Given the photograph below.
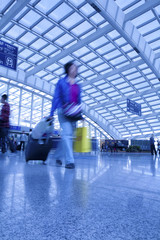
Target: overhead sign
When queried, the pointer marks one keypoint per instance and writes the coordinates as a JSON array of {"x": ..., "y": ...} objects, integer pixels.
[
  {"x": 15, "y": 128},
  {"x": 133, "y": 107},
  {"x": 8, "y": 55}
]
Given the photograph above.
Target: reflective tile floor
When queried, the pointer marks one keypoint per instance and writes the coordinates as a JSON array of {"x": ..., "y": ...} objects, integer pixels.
[{"x": 107, "y": 196}]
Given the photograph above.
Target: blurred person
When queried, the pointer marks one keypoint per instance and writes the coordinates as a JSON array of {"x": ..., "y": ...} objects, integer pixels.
[
  {"x": 23, "y": 139},
  {"x": 4, "y": 121},
  {"x": 152, "y": 145},
  {"x": 66, "y": 91}
]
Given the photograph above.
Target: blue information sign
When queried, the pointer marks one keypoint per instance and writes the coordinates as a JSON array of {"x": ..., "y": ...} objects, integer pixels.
[
  {"x": 8, "y": 55},
  {"x": 15, "y": 128},
  {"x": 133, "y": 107}
]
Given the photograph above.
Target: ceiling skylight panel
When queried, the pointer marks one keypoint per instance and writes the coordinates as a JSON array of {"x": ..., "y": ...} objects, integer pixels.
[
  {"x": 30, "y": 18},
  {"x": 96, "y": 94},
  {"x": 152, "y": 36},
  {"x": 89, "y": 57},
  {"x": 39, "y": 44},
  {"x": 82, "y": 28},
  {"x": 35, "y": 58},
  {"x": 133, "y": 76},
  {"x": 141, "y": 85},
  {"x": 126, "y": 48},
  {"x": 86, "y": 74},
  {"x": 77, "y": 3},
  {"x": 64, "y": 40},
  {"x": 81, "y": 51},
  {"x": 109, "y": 90},
  {"x": 3, "y": 5},
  {"x": 100, "y": 98},
  {"x": 149, "y": 27},
  {"x": 95, "y": 62},
  {"x": 143, "y": 18},
  {"x": 138, "y": 80},
  {"x": 118, "y": 60},
  {"x": 27, "y": 38},
  {"x": 91, "y": 90},
  {"x": 104, "y": 86},
  {"x": 102, "y": 50},
  {"x": 54, "y": 33},
  {"x": 48, "y": 50},
  {"x": 41, "y": 74},
  {"x": 155, "y": 44},
  {"x": 156, "y": 102},
  {"x": 48, "y": 77},
  {"x": 125, "y": 90},
  {"x": 24, "y": 65},
  {"x": 42, "y": 26},
  {"x": 72, "y": 20},
  {"x": 101, "y": 67},
  {"x": 15, "y": 32},
  {"x": 44, "y": 6},
  {"x": 60, "y": 12},
  {"x": 117, "y": 81},
  {"x": 87, "y": 10},
  {"x": 132, "y": 54},
  {"x": 25, "y": 53},
  {"x": 113, "y": 34},
  {"x": 97, "y": 19},
  {"x": 59, "y": 71},
  {"x": 113, "y": 94},
  {"x": 120, "y": 41},
  {"x": 134, "y": 6},
  {"x": 113, "y": 54},
  {"x": 99, "y": 42},
  {"x": 89, "y": 101},
  {"x": 122, "y": 85},
  {"x": 66, "y": 59}
]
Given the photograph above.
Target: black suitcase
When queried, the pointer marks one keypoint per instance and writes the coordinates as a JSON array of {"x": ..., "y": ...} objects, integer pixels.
[
  {"x": 36, "y": 151},
  {"x": 12, "y": 146},
  {"x": 19, "y": 147}
]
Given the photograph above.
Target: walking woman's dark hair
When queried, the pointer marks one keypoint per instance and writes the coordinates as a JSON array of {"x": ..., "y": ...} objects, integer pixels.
[
  {"x": 67, "y": 66},
  {"x": 5, "y": 97}
]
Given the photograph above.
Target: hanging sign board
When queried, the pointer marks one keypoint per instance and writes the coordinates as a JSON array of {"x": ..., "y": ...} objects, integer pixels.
[
  {"x": 8, "y": 55},
  {"x": 133, "y": 107}
]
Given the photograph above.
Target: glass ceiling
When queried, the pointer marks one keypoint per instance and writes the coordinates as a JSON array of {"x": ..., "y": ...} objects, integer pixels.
[{"x": 110, "y": 67}]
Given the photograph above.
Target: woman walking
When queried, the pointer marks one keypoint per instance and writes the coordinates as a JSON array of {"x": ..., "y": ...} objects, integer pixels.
[{"x": 67, "y": 94}]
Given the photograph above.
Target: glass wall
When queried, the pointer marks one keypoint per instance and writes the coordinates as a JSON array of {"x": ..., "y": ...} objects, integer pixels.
[
  {"x": 25, "y": 109},
  {"x": 28, "y": 107},
  {"x": 14, "y": 101}
]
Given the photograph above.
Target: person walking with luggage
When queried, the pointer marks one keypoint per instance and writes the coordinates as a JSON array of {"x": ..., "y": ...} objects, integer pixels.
[
  {"x": 4, "y": 121},
  {"x": 67, "y": 91},
  {"x": 152, "y": 145}
]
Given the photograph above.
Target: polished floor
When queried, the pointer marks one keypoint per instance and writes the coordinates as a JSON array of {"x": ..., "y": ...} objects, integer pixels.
[{"x": 106, "y": 197}]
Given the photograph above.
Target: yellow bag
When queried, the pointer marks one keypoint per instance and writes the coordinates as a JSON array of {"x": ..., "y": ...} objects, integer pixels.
[{"x": 82, "y": 142}]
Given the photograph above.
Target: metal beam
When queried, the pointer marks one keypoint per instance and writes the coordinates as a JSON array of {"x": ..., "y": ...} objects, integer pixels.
[
  {"x": 114, "y": 72},
  {"x": 17, "y": 7},
  {"x": 116, "y": 17},
  {"x": 81, "y": 43},
  {"x": 137, "y": 118},
  {"x": 140, "y": 10},
  {"x": 107, "y": 103},
  {"x": 108, "y": 128},
  {"x": 100, "y": 32}
]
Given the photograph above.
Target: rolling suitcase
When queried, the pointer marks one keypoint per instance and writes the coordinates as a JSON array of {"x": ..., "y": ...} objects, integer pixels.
[
  {"x": 38, "y": 150},
  {"x": 40, "y": 143}
]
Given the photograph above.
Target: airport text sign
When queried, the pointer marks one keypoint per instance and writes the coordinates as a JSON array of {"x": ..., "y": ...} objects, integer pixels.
[
  {"x": 8, "y": 55},
  {"x": 133, "y": 107}
]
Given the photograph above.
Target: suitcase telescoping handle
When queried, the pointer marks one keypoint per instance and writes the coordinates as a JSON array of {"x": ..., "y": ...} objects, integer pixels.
[{"x": 49, "y": 120}]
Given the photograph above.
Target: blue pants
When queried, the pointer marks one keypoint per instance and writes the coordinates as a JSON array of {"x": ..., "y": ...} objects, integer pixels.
[{"x": 65, "y": 146}]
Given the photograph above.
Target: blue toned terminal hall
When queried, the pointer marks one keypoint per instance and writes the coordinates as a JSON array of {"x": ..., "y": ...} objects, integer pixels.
[{"x": 79, "y": 120}]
